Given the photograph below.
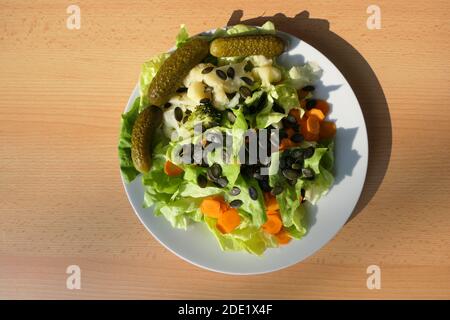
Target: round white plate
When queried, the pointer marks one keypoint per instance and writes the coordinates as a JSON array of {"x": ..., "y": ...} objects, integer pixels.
[{"x": 199, "y": 247}]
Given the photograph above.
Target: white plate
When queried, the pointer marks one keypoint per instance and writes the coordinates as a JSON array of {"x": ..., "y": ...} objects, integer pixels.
[{"x": 199, "y": 247}]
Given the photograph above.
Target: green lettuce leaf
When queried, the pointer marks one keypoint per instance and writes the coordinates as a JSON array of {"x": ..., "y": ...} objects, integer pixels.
[
  {"x": 238, "y": 130},
  {"x": 182, "y": 36},
  {"x": 159, "y": 187},
  {"x": 286, "y": 96},
  {"x": 314, "y": 161},
  {"x": 127, "y": 169},
  {"x": 192, "y": 189},
  {"x": 328, "y": 158},
  {"x": 292, "y": 211},
  {"x": 241, "y": 29},
  {"x": 318, "y": 187},
  {"x": 267, "y": 116},
  {"x": 181, "y": 212}
]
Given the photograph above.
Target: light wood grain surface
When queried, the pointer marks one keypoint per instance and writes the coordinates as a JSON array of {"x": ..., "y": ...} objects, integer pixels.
[{"x": 61, "y": 199}]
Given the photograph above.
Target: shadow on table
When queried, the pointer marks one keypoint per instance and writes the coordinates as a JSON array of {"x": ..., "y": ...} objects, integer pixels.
[{"x": 361, "y": 78}]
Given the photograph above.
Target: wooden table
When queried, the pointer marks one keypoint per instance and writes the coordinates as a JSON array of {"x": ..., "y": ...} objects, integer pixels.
[{"x": 61, "y": 198}]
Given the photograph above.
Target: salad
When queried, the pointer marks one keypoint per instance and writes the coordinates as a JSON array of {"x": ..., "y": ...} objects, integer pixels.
[{"x": 225, "y": 136}]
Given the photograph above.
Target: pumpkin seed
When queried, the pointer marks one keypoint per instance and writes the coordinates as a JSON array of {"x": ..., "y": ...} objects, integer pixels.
[
  {"x": 207, "y": 70},
  {"x": 297, "y": 154},
  {"x": 291, "y": 119},
  {"x": 248, "y": 66},
  {"x": 222, "y": 75},
  {"x": 202, "y": 181},
  {"x": 310, "y": 103},
  {"x": 222, "y": 182},
  {"x": 178, "y": 114},
  {"x": 216, "y": 170},
  {"x": 308, "y": 152},
  {"x": 276, "y": 190},
  {"x": 297, "y": 138},
  {"x": 236, "y": 203},
  {"x": 245, "y": 92},
  {"x": 290, "y": 174},
  {"x": 205, "y": 101},
  {"x": 247, "y": 80},
  {"x": 235, "y": 191},
  {"x": 253, "y": 193},
  {"x": 308, "y": 173},
  {"x": 230, "y": 72},
  {"x": 296, "y": 166}
]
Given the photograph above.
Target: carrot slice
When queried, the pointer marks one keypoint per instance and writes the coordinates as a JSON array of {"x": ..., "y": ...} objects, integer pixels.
[
  {"x": 267, "y": 196},
  {"x": 273, "y": 224},
  {"x": 316, "y": 113},
  {"x": 228, "y": 221},
  {"x": 271, "y": 203},
  {"x": 290, "y": 132},
  {"x": 283, "y": 237},
  {"x": 211, "y": 207},
  {"x": 313, "y": 125},
  {"x": 172, "y": 169},
  {"x": 311, "y": 136},
  {"x": 323, "y": 106},
  {"x": 224, "y": 206},
  {"x": 285, "y": 144},
  {"x": 327, "y": 130}
]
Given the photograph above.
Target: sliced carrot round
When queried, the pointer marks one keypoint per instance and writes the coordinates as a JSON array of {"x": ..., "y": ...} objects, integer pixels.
[
  {"x": 317, "y": 113},
  {"x": 271, "y": 203},
  {"x": 273, "y": 224},
  {"x": 285, "y": 144},
  {"x": 283, "y": 237},
  {"x": 313, "y": 125},
  {"x": 327, "y": 130},
  {"x": 228, "y": 221},
  {"x": 323, "y": 106},
  {"x": 211, "y": 207},
  {"x": 224, "y": 206},
  {"x": 311, "y": 136},
  {"x": 172, "y": 169}
]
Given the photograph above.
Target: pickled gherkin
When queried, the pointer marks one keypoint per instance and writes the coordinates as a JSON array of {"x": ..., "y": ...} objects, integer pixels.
[
  {"x": 142, "y": 135},
  {"x": 266, "y": 45},
  {"x": 171, "y": 74}
]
